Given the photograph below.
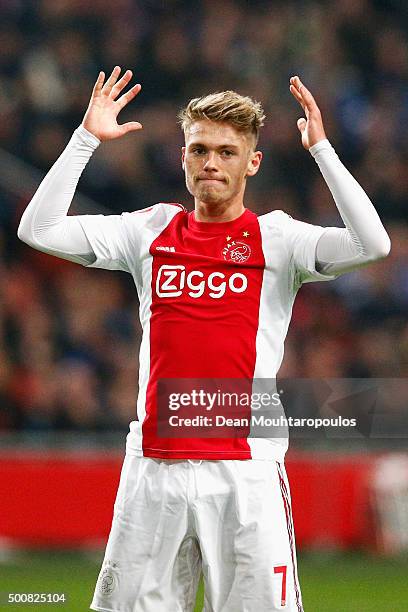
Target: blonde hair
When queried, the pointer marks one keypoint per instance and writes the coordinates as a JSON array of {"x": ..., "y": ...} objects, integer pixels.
[{"x": 242, "y": 112}]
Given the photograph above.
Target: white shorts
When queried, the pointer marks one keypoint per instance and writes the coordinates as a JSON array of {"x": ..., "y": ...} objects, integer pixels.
[{"x": 230, "y": 520}]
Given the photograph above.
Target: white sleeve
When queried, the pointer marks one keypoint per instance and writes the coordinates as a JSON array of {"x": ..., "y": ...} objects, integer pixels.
[
  {"x": 364, "y": 238},
  {"x": 45, "y": 225},
  {"x": 302, "y": 239},
  {"x": 113, "y": 239}
]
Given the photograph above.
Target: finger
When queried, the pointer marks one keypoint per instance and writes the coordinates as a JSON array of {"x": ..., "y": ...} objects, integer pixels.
[
  {"x": 128, "y": 96},
  {"x": 98, "y": 84},
  {"x": 295, "y": 82},
  {"x": 306, "y": 95},
  {"x": 130, "y": 126},
  {"x": 111, "y": 81},
  {"x": 116, "y": 89},
  {"x": 297, "y": 95}
]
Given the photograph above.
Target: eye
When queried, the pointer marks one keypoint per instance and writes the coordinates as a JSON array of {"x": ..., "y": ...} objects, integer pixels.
[
  {"x": 198, "y": 150},
  {"x": 227, "y": 153}
]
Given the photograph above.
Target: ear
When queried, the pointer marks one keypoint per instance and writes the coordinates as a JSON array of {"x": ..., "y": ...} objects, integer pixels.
[
  {"x": 183, "y": 156},
  {"x": 254, "y": 163}
]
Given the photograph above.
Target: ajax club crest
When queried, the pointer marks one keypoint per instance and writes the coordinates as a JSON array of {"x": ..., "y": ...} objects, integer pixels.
[
  {"x": 107, "y": 581},
  {"x": 236, "y": 251}
]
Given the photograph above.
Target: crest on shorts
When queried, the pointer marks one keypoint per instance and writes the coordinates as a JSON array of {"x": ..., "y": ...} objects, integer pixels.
[
  {"x": 236, "y": 251},
  {"x": 107, "y": 581}
]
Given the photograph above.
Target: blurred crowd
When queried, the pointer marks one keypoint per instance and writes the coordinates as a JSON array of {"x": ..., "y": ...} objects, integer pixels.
[{"x": 69, "y": 336}]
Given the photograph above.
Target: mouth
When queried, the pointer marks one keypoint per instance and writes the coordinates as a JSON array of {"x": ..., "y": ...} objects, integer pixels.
[{"x": 211, "y": 180}]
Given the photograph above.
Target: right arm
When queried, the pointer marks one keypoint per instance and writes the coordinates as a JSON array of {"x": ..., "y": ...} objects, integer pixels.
[{"x": 45, "y": 225}]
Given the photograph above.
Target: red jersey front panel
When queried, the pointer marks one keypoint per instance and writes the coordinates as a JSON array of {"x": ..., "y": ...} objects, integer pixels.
[{"x": 206, "y": 285}]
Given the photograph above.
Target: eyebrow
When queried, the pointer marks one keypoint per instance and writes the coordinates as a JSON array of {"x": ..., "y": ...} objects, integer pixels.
[{"x": 223, "y": 146}]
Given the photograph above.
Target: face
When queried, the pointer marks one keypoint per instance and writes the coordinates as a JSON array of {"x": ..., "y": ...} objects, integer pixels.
[{"x": 216, "y": 160}]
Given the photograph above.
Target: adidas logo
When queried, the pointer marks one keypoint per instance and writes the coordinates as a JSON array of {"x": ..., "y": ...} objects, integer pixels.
[{"x": 166, "y": 248}]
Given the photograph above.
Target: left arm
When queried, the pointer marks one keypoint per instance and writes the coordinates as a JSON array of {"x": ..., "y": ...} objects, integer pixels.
[{"x": 364, "y": 238}]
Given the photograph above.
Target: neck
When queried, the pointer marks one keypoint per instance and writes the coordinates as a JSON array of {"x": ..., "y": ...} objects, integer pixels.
[{"x": 218, "y": 212}]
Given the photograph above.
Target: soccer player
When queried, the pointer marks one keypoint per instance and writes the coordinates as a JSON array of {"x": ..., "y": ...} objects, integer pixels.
[{"x": 216, "y": 287}]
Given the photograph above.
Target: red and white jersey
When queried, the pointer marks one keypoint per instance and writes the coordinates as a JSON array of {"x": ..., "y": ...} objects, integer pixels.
[{"x": 215, "y": 302}]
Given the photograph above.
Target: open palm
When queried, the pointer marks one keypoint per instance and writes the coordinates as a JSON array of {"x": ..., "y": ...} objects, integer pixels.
[
  {"x": 311, "y": 127},
  {"x": 104, "y": 106}
]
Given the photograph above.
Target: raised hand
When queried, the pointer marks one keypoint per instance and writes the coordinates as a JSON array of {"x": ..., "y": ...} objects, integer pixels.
[
  {"x": 104, "y": 106},
  {"x": 311, "y": 128}
]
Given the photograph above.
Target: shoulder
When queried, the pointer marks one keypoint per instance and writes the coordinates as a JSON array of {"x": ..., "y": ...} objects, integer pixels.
[
  {"x": 291, "y": 230},
  {"x": 159, "y": 213},
  {"x": 160, "y": 208},
  {"x": 281, "y": 219},
  {"x": 277, "y": 219}
]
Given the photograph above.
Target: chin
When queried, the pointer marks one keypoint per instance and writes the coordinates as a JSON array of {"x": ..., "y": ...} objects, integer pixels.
[{"x": 211, "y": 196}]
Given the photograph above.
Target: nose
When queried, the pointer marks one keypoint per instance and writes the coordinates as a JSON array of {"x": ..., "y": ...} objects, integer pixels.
[{"x": 210, "y": 162}]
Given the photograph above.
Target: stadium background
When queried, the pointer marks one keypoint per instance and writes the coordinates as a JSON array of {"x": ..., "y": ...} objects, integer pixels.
[{"x": 69, "y": 336}]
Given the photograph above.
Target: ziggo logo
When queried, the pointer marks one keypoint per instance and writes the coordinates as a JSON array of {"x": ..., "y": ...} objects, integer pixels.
[{"x": 173, "y": 281}]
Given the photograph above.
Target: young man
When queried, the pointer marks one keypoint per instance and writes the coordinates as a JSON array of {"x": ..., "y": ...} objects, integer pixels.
[{"x": 216, "y": 289}]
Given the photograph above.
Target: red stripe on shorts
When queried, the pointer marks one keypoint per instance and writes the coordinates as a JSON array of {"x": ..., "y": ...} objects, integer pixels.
[{"x": 289, "y": 525}]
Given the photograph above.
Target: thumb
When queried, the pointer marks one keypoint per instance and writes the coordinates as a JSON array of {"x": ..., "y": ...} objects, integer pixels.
[
  {"x": 130, "y": 126},
  {"x": 301, "y": 123}
]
